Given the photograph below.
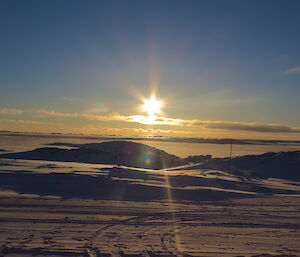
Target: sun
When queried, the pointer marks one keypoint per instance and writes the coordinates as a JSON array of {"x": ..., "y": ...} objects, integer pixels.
[{"x": 152, "y": 106}]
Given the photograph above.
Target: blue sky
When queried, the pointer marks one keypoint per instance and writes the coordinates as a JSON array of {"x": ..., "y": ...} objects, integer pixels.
[{"x": 229, "y": 61}]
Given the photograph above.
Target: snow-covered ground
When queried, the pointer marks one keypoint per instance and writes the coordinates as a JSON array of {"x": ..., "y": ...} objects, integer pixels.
[{"x": 56, "y": 208}]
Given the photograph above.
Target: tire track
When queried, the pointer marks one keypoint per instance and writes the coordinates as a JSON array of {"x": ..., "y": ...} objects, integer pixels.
[
  {"x": 170, "y": 241},
  {"x": 113, "y": 238}
]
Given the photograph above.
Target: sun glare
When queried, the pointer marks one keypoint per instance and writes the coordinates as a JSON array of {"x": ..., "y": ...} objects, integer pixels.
[{"x": 152, "y": 106}]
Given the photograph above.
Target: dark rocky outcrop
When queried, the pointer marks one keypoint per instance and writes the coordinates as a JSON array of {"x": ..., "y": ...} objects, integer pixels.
[
  {"x": 277, "y": 165},
  {"x": 114, "y": 152},
  {"x": 197, "y": 158}
]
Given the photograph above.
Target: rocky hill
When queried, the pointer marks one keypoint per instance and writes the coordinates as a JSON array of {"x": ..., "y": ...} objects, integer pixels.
[
  {"x": 114, "y": 152},
  {"x": 276, "y": 165}
]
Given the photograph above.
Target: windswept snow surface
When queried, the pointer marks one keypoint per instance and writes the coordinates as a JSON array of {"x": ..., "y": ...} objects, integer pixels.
[{"x": 59, "y": 208}]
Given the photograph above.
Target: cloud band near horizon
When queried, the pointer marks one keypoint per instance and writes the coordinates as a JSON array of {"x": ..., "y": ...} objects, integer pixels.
[{"x": 155, "y": 120}]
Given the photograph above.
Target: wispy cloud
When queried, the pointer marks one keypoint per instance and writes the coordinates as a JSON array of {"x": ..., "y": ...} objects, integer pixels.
[
  {"x": 165, "y": 121},
  {"x": 221, "y": 125},
  {"x": 46, "y": 113},
  {"x": 89, "y": 116},
  {"x": 11, "y": 111},
  {"x": 247, "y": 126},
  {"x": 31, "y": 122},
  {"x": 294, "y": 70},
  {"x": 154, "y": 120},
  {"x": 112, "y": 117}
]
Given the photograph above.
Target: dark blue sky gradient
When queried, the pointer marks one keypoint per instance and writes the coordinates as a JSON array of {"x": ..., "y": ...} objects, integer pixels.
[{"x": 215, "y": 60}]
